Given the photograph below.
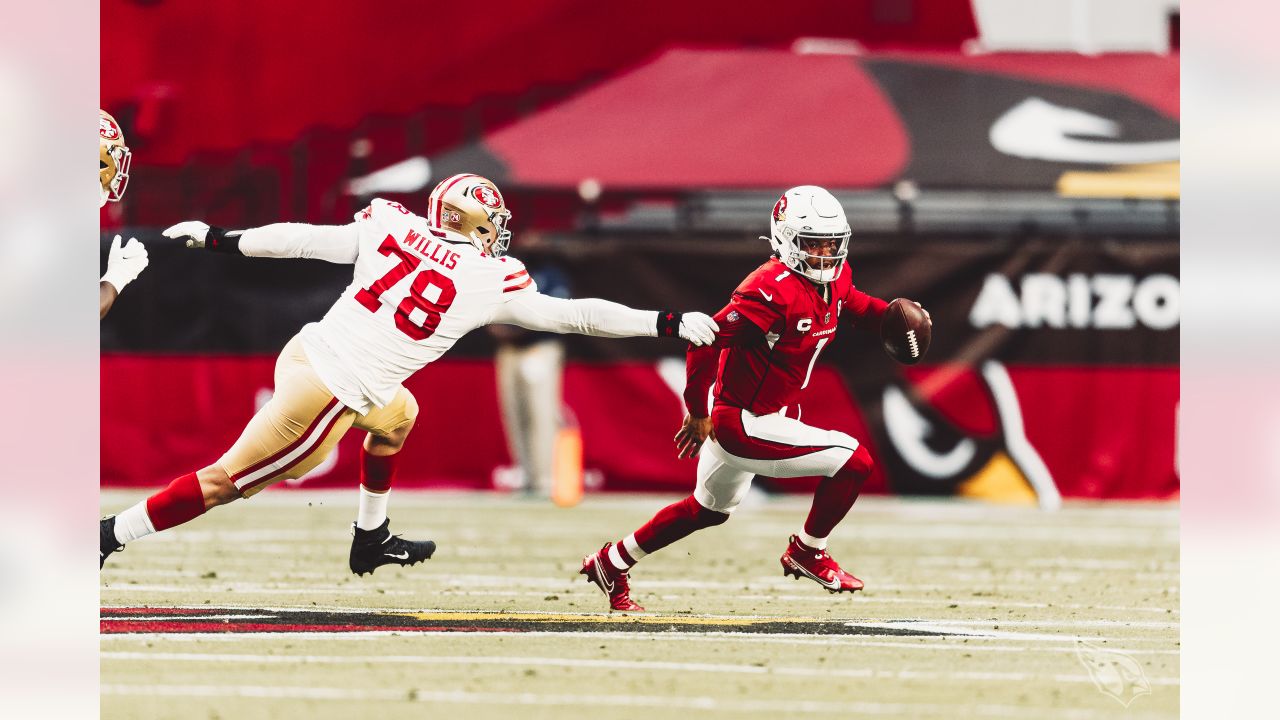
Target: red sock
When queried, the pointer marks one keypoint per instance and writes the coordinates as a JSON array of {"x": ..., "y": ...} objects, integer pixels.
[
  {"x": 377, "y": 471},
  {"x": 677, "y": 520},
  {"x": 181, "y": 501},
  {"x": 836, "y": 494}
]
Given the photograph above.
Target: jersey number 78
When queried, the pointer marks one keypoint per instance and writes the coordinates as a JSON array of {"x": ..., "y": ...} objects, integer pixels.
[{"x": 432, "y": 292}]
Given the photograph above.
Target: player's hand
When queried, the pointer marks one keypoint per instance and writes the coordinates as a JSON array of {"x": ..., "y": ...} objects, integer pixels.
[
  {"x": 698, "y": 328},
  {"x": 125, "y": 263},
  {"x": 195, "y": 232},
  {"x": 927, "y": 316},
  {"x": 692, "y": 434}
]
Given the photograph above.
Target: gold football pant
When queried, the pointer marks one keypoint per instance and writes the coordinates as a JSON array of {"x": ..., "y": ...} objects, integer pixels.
[{"x": 301, "y": 424}]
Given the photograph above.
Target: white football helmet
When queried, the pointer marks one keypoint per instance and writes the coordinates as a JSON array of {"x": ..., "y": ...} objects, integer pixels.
[
  {"x": 114, "y": 159},
  {"x": 809, "y": 232},
  {"x": 469, "y": 208}
]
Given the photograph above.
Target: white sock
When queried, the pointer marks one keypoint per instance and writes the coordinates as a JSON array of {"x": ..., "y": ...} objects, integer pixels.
[
  {"x": 133, "y": 523},
  {"x": 816, "y": 543},
  {"x": 616, "y": 560},
  {"x": 632, "y": 549},
  {"x": 373, "y": 509}
]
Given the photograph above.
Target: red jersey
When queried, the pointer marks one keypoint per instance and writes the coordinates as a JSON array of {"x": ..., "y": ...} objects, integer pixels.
[{"x": 771, "y": 334}]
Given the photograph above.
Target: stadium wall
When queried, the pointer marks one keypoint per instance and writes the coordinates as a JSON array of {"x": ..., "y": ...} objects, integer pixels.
[{"x": 1054, "y": 366}]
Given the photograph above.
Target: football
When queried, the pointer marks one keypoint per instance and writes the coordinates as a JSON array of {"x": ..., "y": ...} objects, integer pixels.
[{"x": 906, "y": 331}]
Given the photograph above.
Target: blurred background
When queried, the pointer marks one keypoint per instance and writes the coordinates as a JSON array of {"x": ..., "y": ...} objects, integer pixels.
[{"x": 1013, "y": 166}]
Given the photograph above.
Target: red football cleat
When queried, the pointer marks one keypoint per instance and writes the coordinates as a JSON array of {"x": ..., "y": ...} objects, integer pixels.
[
  {"x": 611, "y": 580},
  {"x": 819, "y": 566}
]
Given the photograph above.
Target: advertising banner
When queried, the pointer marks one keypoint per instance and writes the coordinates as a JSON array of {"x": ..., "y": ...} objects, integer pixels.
[{"x": 1053, "y": 370}]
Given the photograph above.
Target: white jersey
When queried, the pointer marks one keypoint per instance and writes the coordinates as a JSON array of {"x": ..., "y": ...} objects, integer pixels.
[
  {"x": 416, "y": 291},
  {"x": 414, "y": 295}
]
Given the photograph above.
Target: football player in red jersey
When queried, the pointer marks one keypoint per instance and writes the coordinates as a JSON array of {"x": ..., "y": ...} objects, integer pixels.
[{"x": 771, "y": 333}]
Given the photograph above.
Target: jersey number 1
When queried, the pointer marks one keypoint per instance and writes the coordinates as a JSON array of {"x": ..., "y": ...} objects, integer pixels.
[
  {"x": 431, "y": 292},
  {"x": 814, "y": 360}
]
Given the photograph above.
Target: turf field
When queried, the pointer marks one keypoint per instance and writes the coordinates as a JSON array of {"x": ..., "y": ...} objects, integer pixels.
[{"x": 970, "y": 611}]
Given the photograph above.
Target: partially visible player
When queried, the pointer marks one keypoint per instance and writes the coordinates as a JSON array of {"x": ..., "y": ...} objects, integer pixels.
[
  {"x": 124, "y": 262},
  {"x": 419, "y": 285},
  {"x": 773, "y": 329}
]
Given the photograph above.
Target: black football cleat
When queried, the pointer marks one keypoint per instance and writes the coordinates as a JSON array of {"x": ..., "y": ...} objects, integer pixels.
[
  {"x": 107, "y": 542},
  {"x": 371, "y": 549}
]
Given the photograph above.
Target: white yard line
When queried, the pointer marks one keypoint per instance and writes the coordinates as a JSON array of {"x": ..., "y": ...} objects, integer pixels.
[
  {"x": 645, "y": 665},
  {"x": 775, "y": 708},
  {"x": 215, "y": 589},
  {"x": 854, "y": 533},
  {"x": 544, "y": 582},
  {"x": 823, "y": 600},
  {"x": 907, "y": 643}
]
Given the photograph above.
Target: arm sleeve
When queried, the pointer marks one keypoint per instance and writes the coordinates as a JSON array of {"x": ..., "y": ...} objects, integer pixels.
[
  {"x": 867, "y": 307},
  {"x": 589, "y": 316},
  {"x": 751, "y": 304},
  {"x": 332, "y": 243},
  {"x": 701, "y": 363}
]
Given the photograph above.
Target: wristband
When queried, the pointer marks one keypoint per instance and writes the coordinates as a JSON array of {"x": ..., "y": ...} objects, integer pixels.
[
  {"x": 669, "y": 323},
  {"x": 224, "y": 241}
]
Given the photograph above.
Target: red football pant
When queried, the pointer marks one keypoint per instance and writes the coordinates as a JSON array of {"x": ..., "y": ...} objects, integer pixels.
[
  {"x": 836, "y": 494},
  {"x": 678, "y": 520}
]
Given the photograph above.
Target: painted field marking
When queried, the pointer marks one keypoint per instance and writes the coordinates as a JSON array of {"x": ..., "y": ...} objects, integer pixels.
[
  {"x": 1061, "y": 535},
  {"x": 432, "y": 583},
  {"x": 818, "y": 598},
  {"x": 776, "y": 708},
  {"x": 777, "y": 638},
  {"x": 959, "y": 625},
  {"x": 649, "y": 665}
]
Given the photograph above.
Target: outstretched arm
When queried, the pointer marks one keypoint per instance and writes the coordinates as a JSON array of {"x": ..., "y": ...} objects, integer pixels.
[
  {"x": 602, "y": 318},
  {"x": 332, "y": 243}
]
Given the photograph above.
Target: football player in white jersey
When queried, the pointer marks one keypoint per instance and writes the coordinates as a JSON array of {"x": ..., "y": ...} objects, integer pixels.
[
  {"x": 124, "y": 262},
  {"x": 420, "y": 284}
]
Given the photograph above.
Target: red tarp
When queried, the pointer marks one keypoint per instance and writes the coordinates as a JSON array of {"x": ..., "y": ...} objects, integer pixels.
[{"x": 770, "y": 119}]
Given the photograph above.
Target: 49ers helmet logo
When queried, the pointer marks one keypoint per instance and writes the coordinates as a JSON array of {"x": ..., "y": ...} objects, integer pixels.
[
  {"x": 108, "y": 129},
  {"x": 780, "y": 209},
  {"x": 487, "y": 196}
]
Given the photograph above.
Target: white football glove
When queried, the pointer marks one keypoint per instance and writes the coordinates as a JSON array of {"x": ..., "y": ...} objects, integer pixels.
[
  {"x": 698, "y": 328},
  {"x": 194, "y": 231},
  {"x": 125, "y": 263}
]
